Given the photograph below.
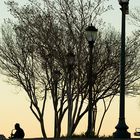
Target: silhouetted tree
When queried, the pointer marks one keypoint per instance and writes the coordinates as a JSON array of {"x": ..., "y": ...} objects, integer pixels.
[
  {"x": 134, "y": 17},
  {"x": 20, "y": 62}
]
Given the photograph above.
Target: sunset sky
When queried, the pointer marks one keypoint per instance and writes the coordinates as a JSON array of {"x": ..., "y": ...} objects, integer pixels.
[{"x": 14, "y": 104}]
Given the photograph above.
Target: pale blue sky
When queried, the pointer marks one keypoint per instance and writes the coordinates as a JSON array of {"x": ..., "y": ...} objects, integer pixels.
[
  {"x": 113, "y": 17},
  {"x": 15, "y": 107}
]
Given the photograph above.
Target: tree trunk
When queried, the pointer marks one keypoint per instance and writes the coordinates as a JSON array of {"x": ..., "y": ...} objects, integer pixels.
[
  {"x": 56, "y": 126},
  {"x": 43, "y": 128}
]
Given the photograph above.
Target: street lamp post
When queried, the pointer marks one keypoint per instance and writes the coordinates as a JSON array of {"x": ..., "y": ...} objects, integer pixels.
[
  {"x": 121, "y": 128},
  {"x": 70, "y": 66},
  {"x": 91, "y": 34},
  {"x": 56, "y": 78}
]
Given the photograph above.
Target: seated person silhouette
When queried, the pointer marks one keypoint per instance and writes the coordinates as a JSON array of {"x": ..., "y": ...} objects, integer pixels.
[{"x": 19, "y": 134}]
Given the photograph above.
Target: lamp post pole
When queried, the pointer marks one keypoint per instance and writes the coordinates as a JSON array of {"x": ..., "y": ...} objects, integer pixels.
[
  {"x": 121, "y": 127},
  {"x": 91, "y": 33},
  {"x": 56, "y": 78},
  {"x": 70, "y": 67},
  {"x": 89, "y": 131}
]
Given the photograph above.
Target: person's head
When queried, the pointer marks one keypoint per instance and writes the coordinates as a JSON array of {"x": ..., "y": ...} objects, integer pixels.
[{"x": 17, "y": 126}]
